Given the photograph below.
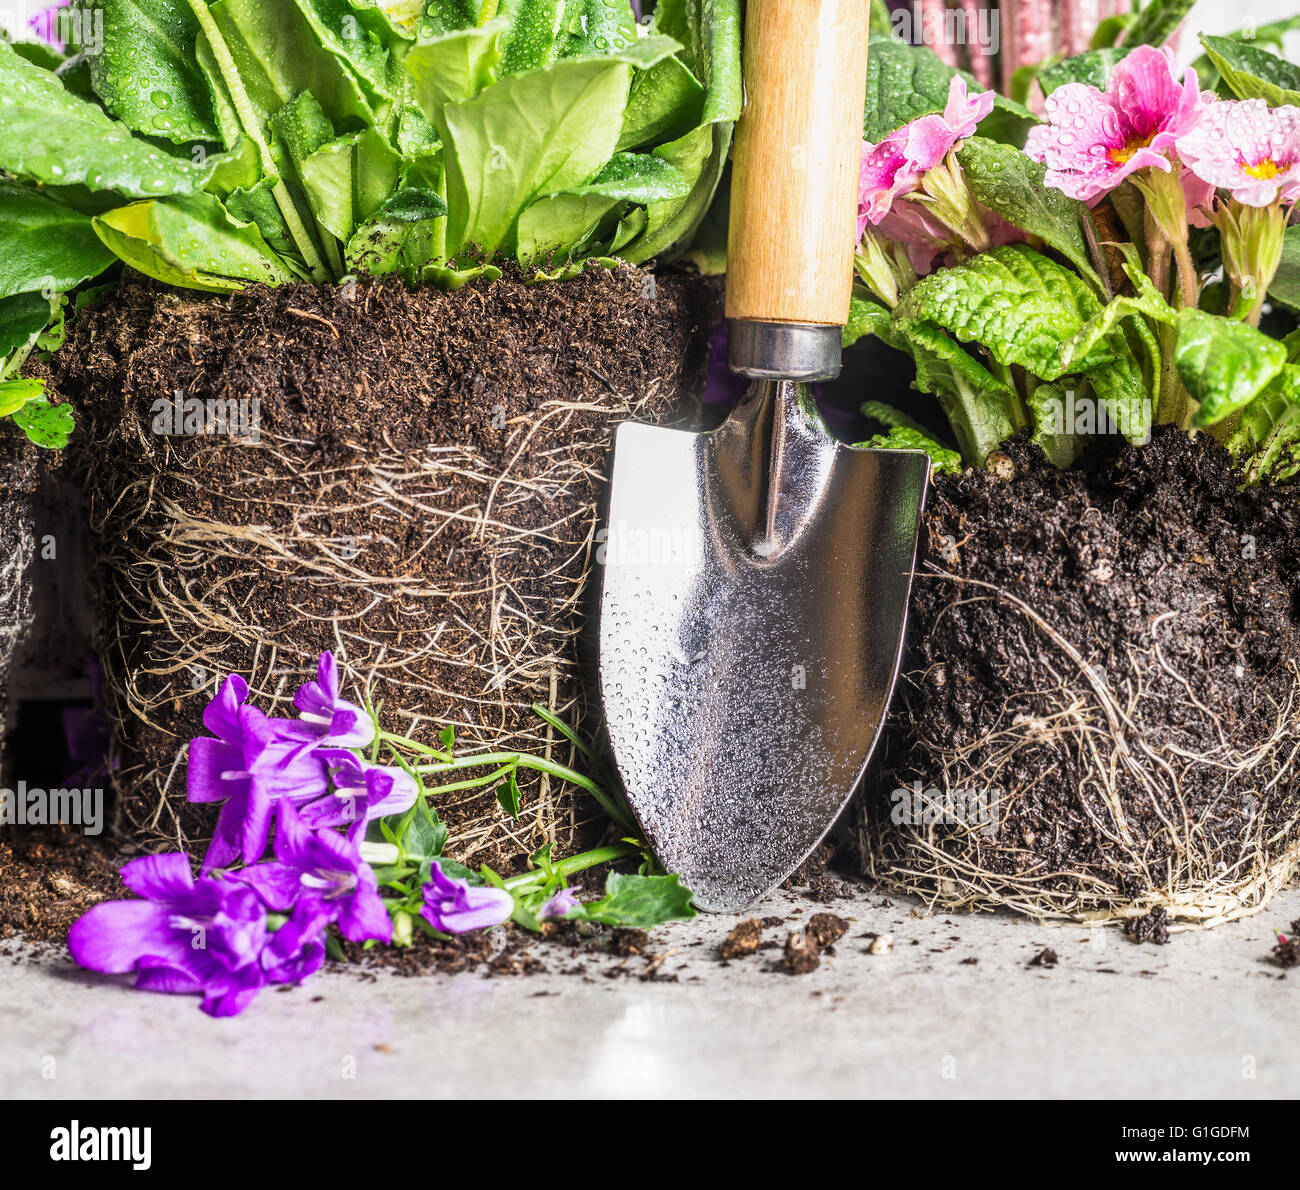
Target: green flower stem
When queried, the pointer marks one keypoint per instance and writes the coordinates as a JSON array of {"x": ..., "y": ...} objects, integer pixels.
[
  {"x": 559, "y": 771},
  {"x": 1167, "y": 207},
  {"x": 414, "y": 746},
  {"x": 574, "y": 864},
  {"x": 253, "y": 127}
]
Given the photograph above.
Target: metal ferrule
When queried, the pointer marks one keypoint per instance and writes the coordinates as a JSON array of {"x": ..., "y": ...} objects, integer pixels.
[{"x": 784, "y": 350}]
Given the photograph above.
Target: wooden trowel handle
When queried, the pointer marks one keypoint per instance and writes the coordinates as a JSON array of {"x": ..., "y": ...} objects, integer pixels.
[{"x": 795, "y": 168}]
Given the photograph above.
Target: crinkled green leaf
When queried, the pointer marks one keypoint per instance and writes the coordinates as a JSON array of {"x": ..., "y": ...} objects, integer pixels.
[
  {"x": 145, "y": 73},
  {"x": 54, "y": 138},
  {"x": 1253, "y": 73},
  {"x": 1223, "y": 363},
  {"x": 639, "y": 901},
  {"x": 191, "y": 242},
  {"x": 906, "y": 434},
  {"x": 1010, "y": 184},
  {"x": 906, "y": 81},
  {"x": 1021, "y": 306},
  {"x": 45, "y": 424},
  {"x": 45, "y": 245},
  {"x": 1265, "y": 442},
  {"x": 1092, "y": 68},
  {"x": 982, "y": 409},
  {"x": 1156, "y": 22}
]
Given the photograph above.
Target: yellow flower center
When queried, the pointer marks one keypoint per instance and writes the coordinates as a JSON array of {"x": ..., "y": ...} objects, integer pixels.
[
  {"x": 1132, "y": 145},
  {"x": 1264, "y": 169}
]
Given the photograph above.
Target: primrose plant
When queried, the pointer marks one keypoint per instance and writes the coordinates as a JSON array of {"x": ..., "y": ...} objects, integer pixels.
[
  {"x": 1132, "y": 265},
  {"x": 357, "y": 853},
  {"x": 215, "y": 143}
]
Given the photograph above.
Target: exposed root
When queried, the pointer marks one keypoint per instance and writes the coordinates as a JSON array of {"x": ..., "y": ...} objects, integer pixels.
[
  {"x": 439, "y": 539},
  {"x": 1126, "y": 838}
]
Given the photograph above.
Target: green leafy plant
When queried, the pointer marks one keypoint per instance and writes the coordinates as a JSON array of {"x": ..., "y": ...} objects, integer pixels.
[{"x": 213, "y": 144}]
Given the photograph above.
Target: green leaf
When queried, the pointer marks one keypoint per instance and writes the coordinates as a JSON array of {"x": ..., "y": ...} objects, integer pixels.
[
  {"x": 1011, "y": 185},
  {"x": 1253, "y": 73},
  {"x": 508, "y": 795},
  {"x": 942, "y": 459},
  {"x": 665, "y": 103},
  {"x": 23, "y": 317},
  {"x": 1266, "y": 440},
  {"x": 1156, "y": 23},
  {"x": 146, "y": 73},
  {"x": 1019, "y": 305},
  {"x": 710, "y": 31},
  {"x": 14, "y": 394},
  {"x": 412, "y": 204},
  {"x": 1048, "y": 403},
  {"x": 906, "y": 434},
  {"x": 349, "y": 180},
  {"x": 1285, "y": 286},
  {"x": 982, "y": 409},
  {"x": 525, "y": 137},
  {"x": 454, "y": 66},
  {"x": 1092, "y": 68},
  {"x": 45, "y": 245},
  {"x": 45, "y": 424},
  {"x": 551, "y": 229},
  {"x": 1223, "y": 364},
  {"x": 640, "y": 901},
  {"x": 425, "y": 836},
  {"x": 906, "y": 81},
  {"x": 637, "y": 177},
  {"x": 54, "y": 138},
  {"x": 279, "y": 54},
  {"x": 191, "y": 242}
]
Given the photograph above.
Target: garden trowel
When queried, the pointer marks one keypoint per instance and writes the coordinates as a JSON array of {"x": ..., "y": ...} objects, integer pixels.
[{"x": 756, "y": 578}]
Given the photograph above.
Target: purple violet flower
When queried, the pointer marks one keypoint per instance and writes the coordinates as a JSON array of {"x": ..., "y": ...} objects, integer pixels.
[
  {"x": 321, "y": 877},
  {"x": 563, "y": 902},
  {"x": 186, "y": 936},
  {"x": 324, "y": 717},
  {"x": 455, "y": 906},
  {"x": 362, "y": 793},
  {"x": 251, "y": 764}
]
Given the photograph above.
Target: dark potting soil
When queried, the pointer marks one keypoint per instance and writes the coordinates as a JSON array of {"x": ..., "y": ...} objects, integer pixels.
[
  {"x": 372, "y": 518},
  {"x": 1105, "y": 657},
  {"x": 49, "y": 878}
]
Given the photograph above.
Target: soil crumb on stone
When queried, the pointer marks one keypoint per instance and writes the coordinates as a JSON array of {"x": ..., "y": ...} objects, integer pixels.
[
  {"x": 1152, "y": 927},
  {"x": 743, "y": 940},
  {"x": 827, "y": 928},
  {"x": 802, "y": 955},
  {"x": 1046, "y": 957}
]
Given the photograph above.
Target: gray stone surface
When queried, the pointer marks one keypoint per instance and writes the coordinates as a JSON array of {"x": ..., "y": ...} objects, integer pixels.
[{"x": 1207, "y": 1015}]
